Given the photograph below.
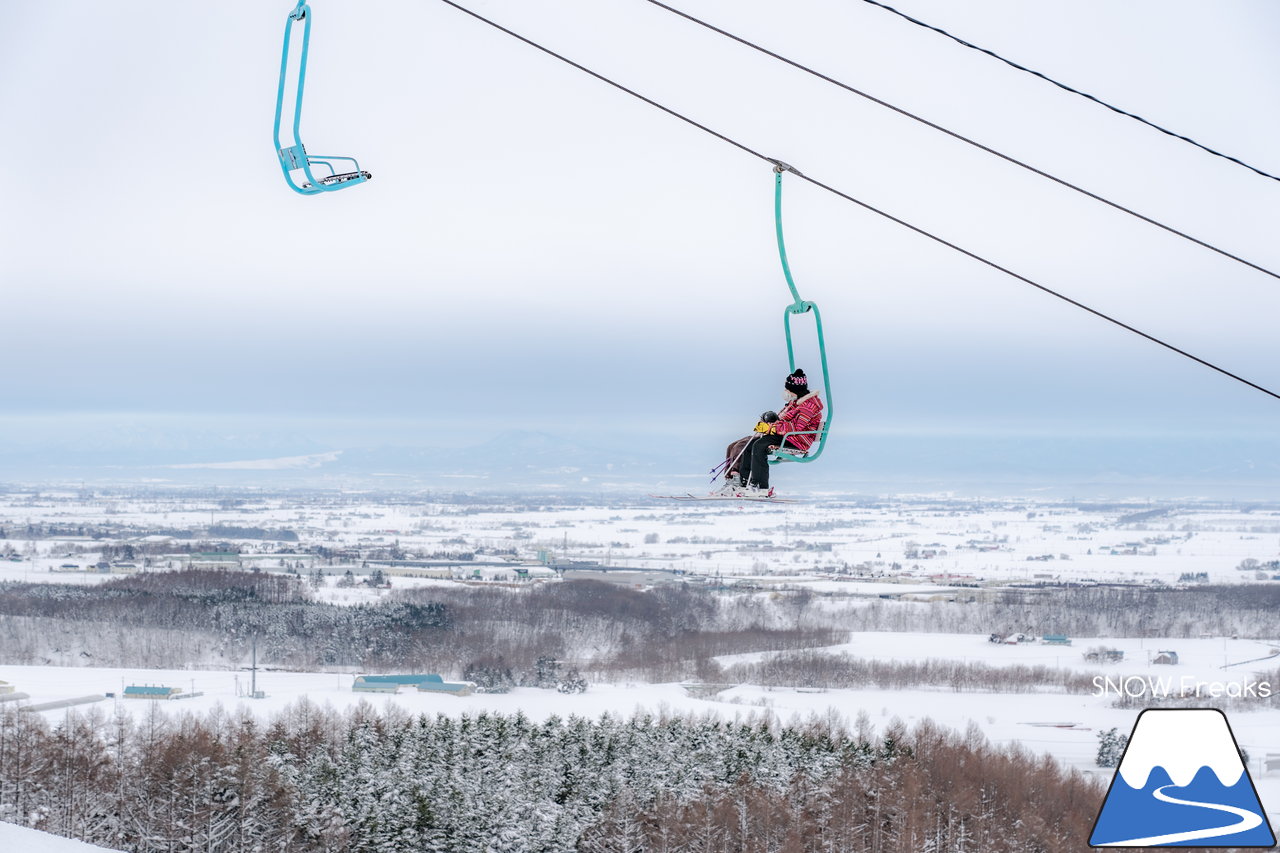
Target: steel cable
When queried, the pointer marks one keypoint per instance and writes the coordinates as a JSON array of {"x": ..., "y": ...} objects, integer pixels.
[
  {"x": 1072, "y": 90},
  {"x": 918, "y": 230},
  {"x": 845, "y": 86}
]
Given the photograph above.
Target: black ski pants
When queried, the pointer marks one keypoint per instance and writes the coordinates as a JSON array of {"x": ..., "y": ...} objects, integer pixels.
[{"x": 754, "y": 463}]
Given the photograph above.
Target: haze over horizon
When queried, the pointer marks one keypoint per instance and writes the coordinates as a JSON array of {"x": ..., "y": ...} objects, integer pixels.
[{"x": 540, "y": 254}]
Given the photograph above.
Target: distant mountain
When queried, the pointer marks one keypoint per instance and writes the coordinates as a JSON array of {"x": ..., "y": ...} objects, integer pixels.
[{"x": 298, "y": 454}]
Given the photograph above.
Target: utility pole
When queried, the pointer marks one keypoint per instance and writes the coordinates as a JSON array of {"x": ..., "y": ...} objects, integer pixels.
[{"x": 253, "y": 670}]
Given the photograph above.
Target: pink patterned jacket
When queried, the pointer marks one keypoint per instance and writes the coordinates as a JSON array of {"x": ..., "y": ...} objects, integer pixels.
[{"x": 801, "y": 415}]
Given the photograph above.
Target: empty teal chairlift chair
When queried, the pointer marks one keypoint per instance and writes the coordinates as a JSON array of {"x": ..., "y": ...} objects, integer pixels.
[{"x": 300, "y": 168}]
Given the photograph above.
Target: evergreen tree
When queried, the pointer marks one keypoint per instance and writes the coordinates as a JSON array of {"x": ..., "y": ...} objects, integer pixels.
[
  {"x": 489, "y": 676},
  {"x": 546, "y": 672},
  {"x": 573, "y": 683},
  {"x": 1111, "y": 745}
]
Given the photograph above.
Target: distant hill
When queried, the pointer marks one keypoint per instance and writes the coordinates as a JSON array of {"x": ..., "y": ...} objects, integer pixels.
[{"x": 582, "y": 458}]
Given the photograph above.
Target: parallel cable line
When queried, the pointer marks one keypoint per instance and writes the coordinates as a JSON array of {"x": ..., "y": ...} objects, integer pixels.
[
  {"x": 1072, "y": 90},
  {"x": 918, "y": 230},
  {"x": 962, "y": 138}
]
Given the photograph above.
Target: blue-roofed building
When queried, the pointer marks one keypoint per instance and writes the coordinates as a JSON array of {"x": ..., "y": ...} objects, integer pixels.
[
  {"x": 148, "y": 691},
  {"x": 421, "y": 683}
]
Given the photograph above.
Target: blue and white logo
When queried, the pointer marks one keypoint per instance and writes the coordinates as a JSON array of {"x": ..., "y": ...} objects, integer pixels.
[{"x": 1182, "y": 783}]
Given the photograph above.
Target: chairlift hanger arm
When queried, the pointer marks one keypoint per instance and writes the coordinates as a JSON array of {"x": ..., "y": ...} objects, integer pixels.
[{"x": 799, "y": 306}]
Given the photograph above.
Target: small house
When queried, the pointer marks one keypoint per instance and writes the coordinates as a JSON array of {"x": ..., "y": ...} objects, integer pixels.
[
  {"x": 1166, "y": 658},
  {"x": 149, "y": 691},
  {"x": 6, "y": 687}
]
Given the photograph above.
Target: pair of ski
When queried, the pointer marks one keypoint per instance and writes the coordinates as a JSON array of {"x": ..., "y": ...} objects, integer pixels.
[
  {"x": 724, "y": 466},
  {"x": 689, "y": 496}
]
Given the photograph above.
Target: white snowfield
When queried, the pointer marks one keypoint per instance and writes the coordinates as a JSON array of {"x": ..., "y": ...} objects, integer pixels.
[
  {"x": 915, "y": 546},
  {"x": 1202, "y": 659},
  {"x": 898, "y": 548},
  {"x": 19, "y": 839},
  {"x": 1064, "y": 726}
]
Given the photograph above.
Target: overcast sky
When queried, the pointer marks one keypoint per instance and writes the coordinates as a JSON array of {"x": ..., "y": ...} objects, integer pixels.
[{"x": 537, "y": 248}]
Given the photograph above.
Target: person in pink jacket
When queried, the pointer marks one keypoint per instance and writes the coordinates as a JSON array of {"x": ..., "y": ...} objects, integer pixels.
[{"x": 796, "y": 426}]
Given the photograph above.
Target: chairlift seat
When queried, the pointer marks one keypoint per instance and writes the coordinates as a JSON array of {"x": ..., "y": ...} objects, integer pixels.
[{"x": 784, "y": 453}]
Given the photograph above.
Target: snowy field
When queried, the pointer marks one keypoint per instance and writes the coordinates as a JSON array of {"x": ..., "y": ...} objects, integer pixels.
[
  {"x": 831, "y": 546},
  {"x": 1064, "y": 726},
  {"x": 1210, "y": 658},
  {"x": 901, "y": 547}
]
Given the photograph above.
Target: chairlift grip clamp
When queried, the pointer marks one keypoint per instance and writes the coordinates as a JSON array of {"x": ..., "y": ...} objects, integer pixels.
[{"x": 780, "y": 166}]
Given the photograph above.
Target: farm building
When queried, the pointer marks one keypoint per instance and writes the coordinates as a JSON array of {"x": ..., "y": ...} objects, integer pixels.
[
  {"x": 422, "y": 683},
  {"x": 6, "y": 687},
  {"x": 1056, "y": 640},
  {"x": 1103, "y": 655},
  {"x": 150, "y": 691},
  {"x": 1166, "y": 658},
  {"x": 213, "y": 560}
]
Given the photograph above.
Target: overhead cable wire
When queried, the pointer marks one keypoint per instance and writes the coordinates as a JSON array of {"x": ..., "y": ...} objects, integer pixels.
[
  {"x": 954, "y": 135},
  {"x": 1072, "y": 90},
  {"x": 918, "y": 230}
]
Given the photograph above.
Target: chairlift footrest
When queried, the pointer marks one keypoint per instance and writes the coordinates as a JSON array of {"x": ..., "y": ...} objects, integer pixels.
[{"x": 345, "y": 177}]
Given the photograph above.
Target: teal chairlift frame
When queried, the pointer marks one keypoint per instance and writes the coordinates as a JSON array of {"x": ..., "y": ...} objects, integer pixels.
[
  {"x": 295, "y": 157},
  {"x": 799, "y": 306}
]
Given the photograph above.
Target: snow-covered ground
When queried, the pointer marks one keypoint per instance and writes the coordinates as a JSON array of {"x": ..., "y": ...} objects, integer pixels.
[
  {"x": 1208, "y": 659},
  {"x": 828, "y": 545},
  {"x": 1064, "y": 726},
  {"x": 919, "y": 547},
  {"x": 19, "y": 839}
]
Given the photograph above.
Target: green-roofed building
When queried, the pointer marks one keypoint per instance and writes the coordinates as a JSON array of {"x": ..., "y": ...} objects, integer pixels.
[
  {"x": 421, "y": 683},
  {"x": 213, "y": 560},
  {"x": 148, "y": 691}
]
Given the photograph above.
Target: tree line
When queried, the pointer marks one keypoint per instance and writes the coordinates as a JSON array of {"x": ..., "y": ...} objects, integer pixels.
[
  {"x": 210, "y": 617},
  {"x": 607, "y": 632},
  {"x": 315, "y": 779}
]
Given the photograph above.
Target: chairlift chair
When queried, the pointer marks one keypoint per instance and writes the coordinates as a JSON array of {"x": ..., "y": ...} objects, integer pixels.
[
  {"x": 294, "y": 158},
  {"x": 799, "y": 306}
]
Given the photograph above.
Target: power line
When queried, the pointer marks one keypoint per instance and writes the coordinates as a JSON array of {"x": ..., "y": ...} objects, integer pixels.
[
  {"x": 961, "y": 138},
  {"x": 918, "y": 230},
  {"x": 1073, "y": 91}
]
